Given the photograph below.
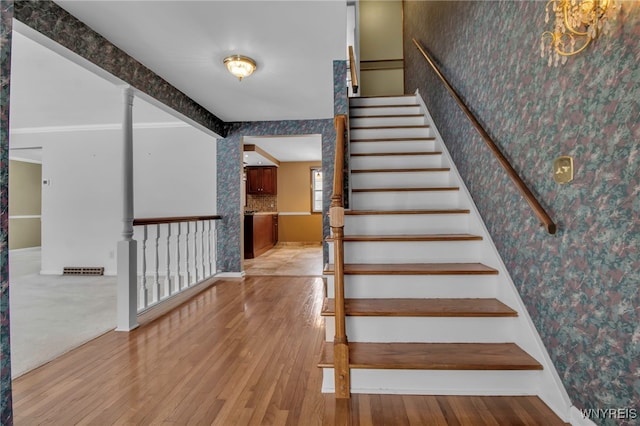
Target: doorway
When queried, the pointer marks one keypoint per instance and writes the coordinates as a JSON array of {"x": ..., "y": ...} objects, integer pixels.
[{"x": 297, "y": 162}]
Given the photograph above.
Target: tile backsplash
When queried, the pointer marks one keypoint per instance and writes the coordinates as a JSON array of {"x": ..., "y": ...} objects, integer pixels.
[{"x": 262, "y": 203}]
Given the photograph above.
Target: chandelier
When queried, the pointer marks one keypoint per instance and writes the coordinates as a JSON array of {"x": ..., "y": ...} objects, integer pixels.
[{"x": 577, "y": 23}]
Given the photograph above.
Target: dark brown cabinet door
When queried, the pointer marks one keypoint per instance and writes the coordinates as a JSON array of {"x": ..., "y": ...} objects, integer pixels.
[
  {"x": 262, "y": 181},
  {"x": 269, "y": 181}
]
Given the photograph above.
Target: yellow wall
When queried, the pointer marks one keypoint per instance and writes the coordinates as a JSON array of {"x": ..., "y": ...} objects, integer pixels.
[
  {"x": 300, "y": 229},
  {"x": 25, "y": 196},
  {"x": 381, "y": 39},
  {"x": 294, "y": 196}
]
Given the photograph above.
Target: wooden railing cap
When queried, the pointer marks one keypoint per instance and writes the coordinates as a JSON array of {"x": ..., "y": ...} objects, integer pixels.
[{"x": 175, "y": 219}]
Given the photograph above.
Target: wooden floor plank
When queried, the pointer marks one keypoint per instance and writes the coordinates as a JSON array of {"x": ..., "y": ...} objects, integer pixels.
[
  {"x": 442, "y": 307},
  {"x": 244, "y": 350},
  {"x": 414, "y": 269},
  {"x": 434, "y": 356}
]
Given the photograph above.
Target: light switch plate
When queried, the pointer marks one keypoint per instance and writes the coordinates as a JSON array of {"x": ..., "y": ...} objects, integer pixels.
[{"x": 563, "y": 169}]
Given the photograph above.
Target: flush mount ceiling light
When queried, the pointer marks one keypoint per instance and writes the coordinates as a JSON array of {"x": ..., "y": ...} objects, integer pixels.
[{"x": 240, "y": 66}]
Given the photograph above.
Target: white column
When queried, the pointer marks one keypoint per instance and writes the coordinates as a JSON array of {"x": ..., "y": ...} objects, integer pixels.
[{"x": 127, "y": 315}]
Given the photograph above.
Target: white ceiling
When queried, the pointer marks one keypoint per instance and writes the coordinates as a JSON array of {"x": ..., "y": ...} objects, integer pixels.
[
  {"x": 294, "y": 44},
  {"x": 285, "y": 149},
  {"x": 48, "y": 90}
]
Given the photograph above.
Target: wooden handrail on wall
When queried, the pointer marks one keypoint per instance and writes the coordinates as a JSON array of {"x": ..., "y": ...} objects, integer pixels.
[
  {"x": 336, "y": 213},
  {"x": 537, "y": 208},
  {"x": 162, "y": 220},
  {"x": 354, "y": 71}
]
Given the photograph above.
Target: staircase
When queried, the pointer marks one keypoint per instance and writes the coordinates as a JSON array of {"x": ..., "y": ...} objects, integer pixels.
[{"x": 430, "y": 307}]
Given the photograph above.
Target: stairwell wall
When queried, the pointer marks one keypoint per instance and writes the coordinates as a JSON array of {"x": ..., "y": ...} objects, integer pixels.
[{"x": 580, "y": 285}]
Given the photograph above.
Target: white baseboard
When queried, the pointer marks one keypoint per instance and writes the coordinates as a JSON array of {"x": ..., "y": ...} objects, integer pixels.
[
  {"x": 230, "y": 274},
  {"x": 577, "y": 419},
  {"x": 26, "y": 249},
  {"x": 50, "y": 272}
]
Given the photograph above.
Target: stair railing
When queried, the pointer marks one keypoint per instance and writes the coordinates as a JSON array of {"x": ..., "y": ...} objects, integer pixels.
[
  {"x": 336, "y": 221},
  {"x": 537, "y": 208},
  {"x": 353, "y": 70}
]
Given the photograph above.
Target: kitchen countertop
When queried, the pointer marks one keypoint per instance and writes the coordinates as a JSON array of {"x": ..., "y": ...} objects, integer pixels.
[{"x": 261, "y": 213}]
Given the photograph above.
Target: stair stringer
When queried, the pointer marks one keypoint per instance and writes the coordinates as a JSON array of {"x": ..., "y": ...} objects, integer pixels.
[{"x": 550, "y": 387}]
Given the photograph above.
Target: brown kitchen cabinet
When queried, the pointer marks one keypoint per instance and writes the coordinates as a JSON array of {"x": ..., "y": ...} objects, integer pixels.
[
  {"x": 262, "y": 180},
  {"x": 260, "y": 233}
]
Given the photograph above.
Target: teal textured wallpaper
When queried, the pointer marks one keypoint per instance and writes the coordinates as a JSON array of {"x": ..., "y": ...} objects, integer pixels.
[
  {"x": 581, "y": 286},
  {"x": 6, "y": 409}
]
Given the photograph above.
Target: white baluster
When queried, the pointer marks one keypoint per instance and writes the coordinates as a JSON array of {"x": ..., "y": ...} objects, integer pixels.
[
  {"x": 214, "y": 244},
  {"x": 195, "y": 253},
  {"x": 209, "y": 246},
  {"x": 178, "y": 280},
  {"x": 167, "y": 277},
  {"x": 203, "y": 253},
  {"x": 144, "y": 299},
  {"x": 156, "y": 272},
  {"x": 187, "y": 260}
]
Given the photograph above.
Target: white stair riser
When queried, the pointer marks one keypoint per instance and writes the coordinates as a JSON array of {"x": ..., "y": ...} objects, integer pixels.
[
  {"x": 438, "y": 382},
  {"x": 410, "y": 252},
  {"x": 406, "y": 224},
  {"x": 420, "y": 286},
  {"x": 396, "y": 120},
  {"x": 387, "y": 100},
  {"x": 400, "y": 180},
  {"x": 397, "y": 132},
  {"x": 405, "y": 200},
  {"x": 389, "y": 110},
  {"x": 395, "y": 162},
  {"x": 393, "y": 146},
  {"x": 426, "y": 329}
]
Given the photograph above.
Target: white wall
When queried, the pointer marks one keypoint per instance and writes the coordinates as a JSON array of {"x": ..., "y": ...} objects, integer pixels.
[{"x": 174, "y": 174}]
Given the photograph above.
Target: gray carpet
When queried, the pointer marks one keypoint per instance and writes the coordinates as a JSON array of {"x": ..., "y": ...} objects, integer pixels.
[{"x": 51, "y": 315}]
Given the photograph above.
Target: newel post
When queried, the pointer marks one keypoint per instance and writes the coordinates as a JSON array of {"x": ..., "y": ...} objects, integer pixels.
[
  {"x": 127, "y": 312},
  {"x": 336, "y": 221}
]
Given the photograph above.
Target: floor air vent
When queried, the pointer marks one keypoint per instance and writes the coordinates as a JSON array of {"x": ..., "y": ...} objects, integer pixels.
[{"x": 73, "y": 270}]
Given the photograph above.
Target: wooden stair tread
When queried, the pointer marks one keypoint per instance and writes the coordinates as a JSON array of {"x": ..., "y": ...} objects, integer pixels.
[
  {"x": 403, "y": 95},
  {"x": 385, "y": 116},
  {"x": 432, "y": 188},
  {"x": 443, "y": 307},
  {"x": 423, "y": 138},
  {"x": 395, "y": 212},
  {"x": 429, "y": 169},
  {"x": 414, "y": 269},
  {"x": 434, "y": 356},
  {"x": 410, "y": 126},
  {"x": 411, "y": 238},
  {"x": 384, "y": 106},
  {"x": 387, "y": 154}
]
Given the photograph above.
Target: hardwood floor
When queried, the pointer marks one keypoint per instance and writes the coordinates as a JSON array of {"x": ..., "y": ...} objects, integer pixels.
[{"x": 241, "y": 352}]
